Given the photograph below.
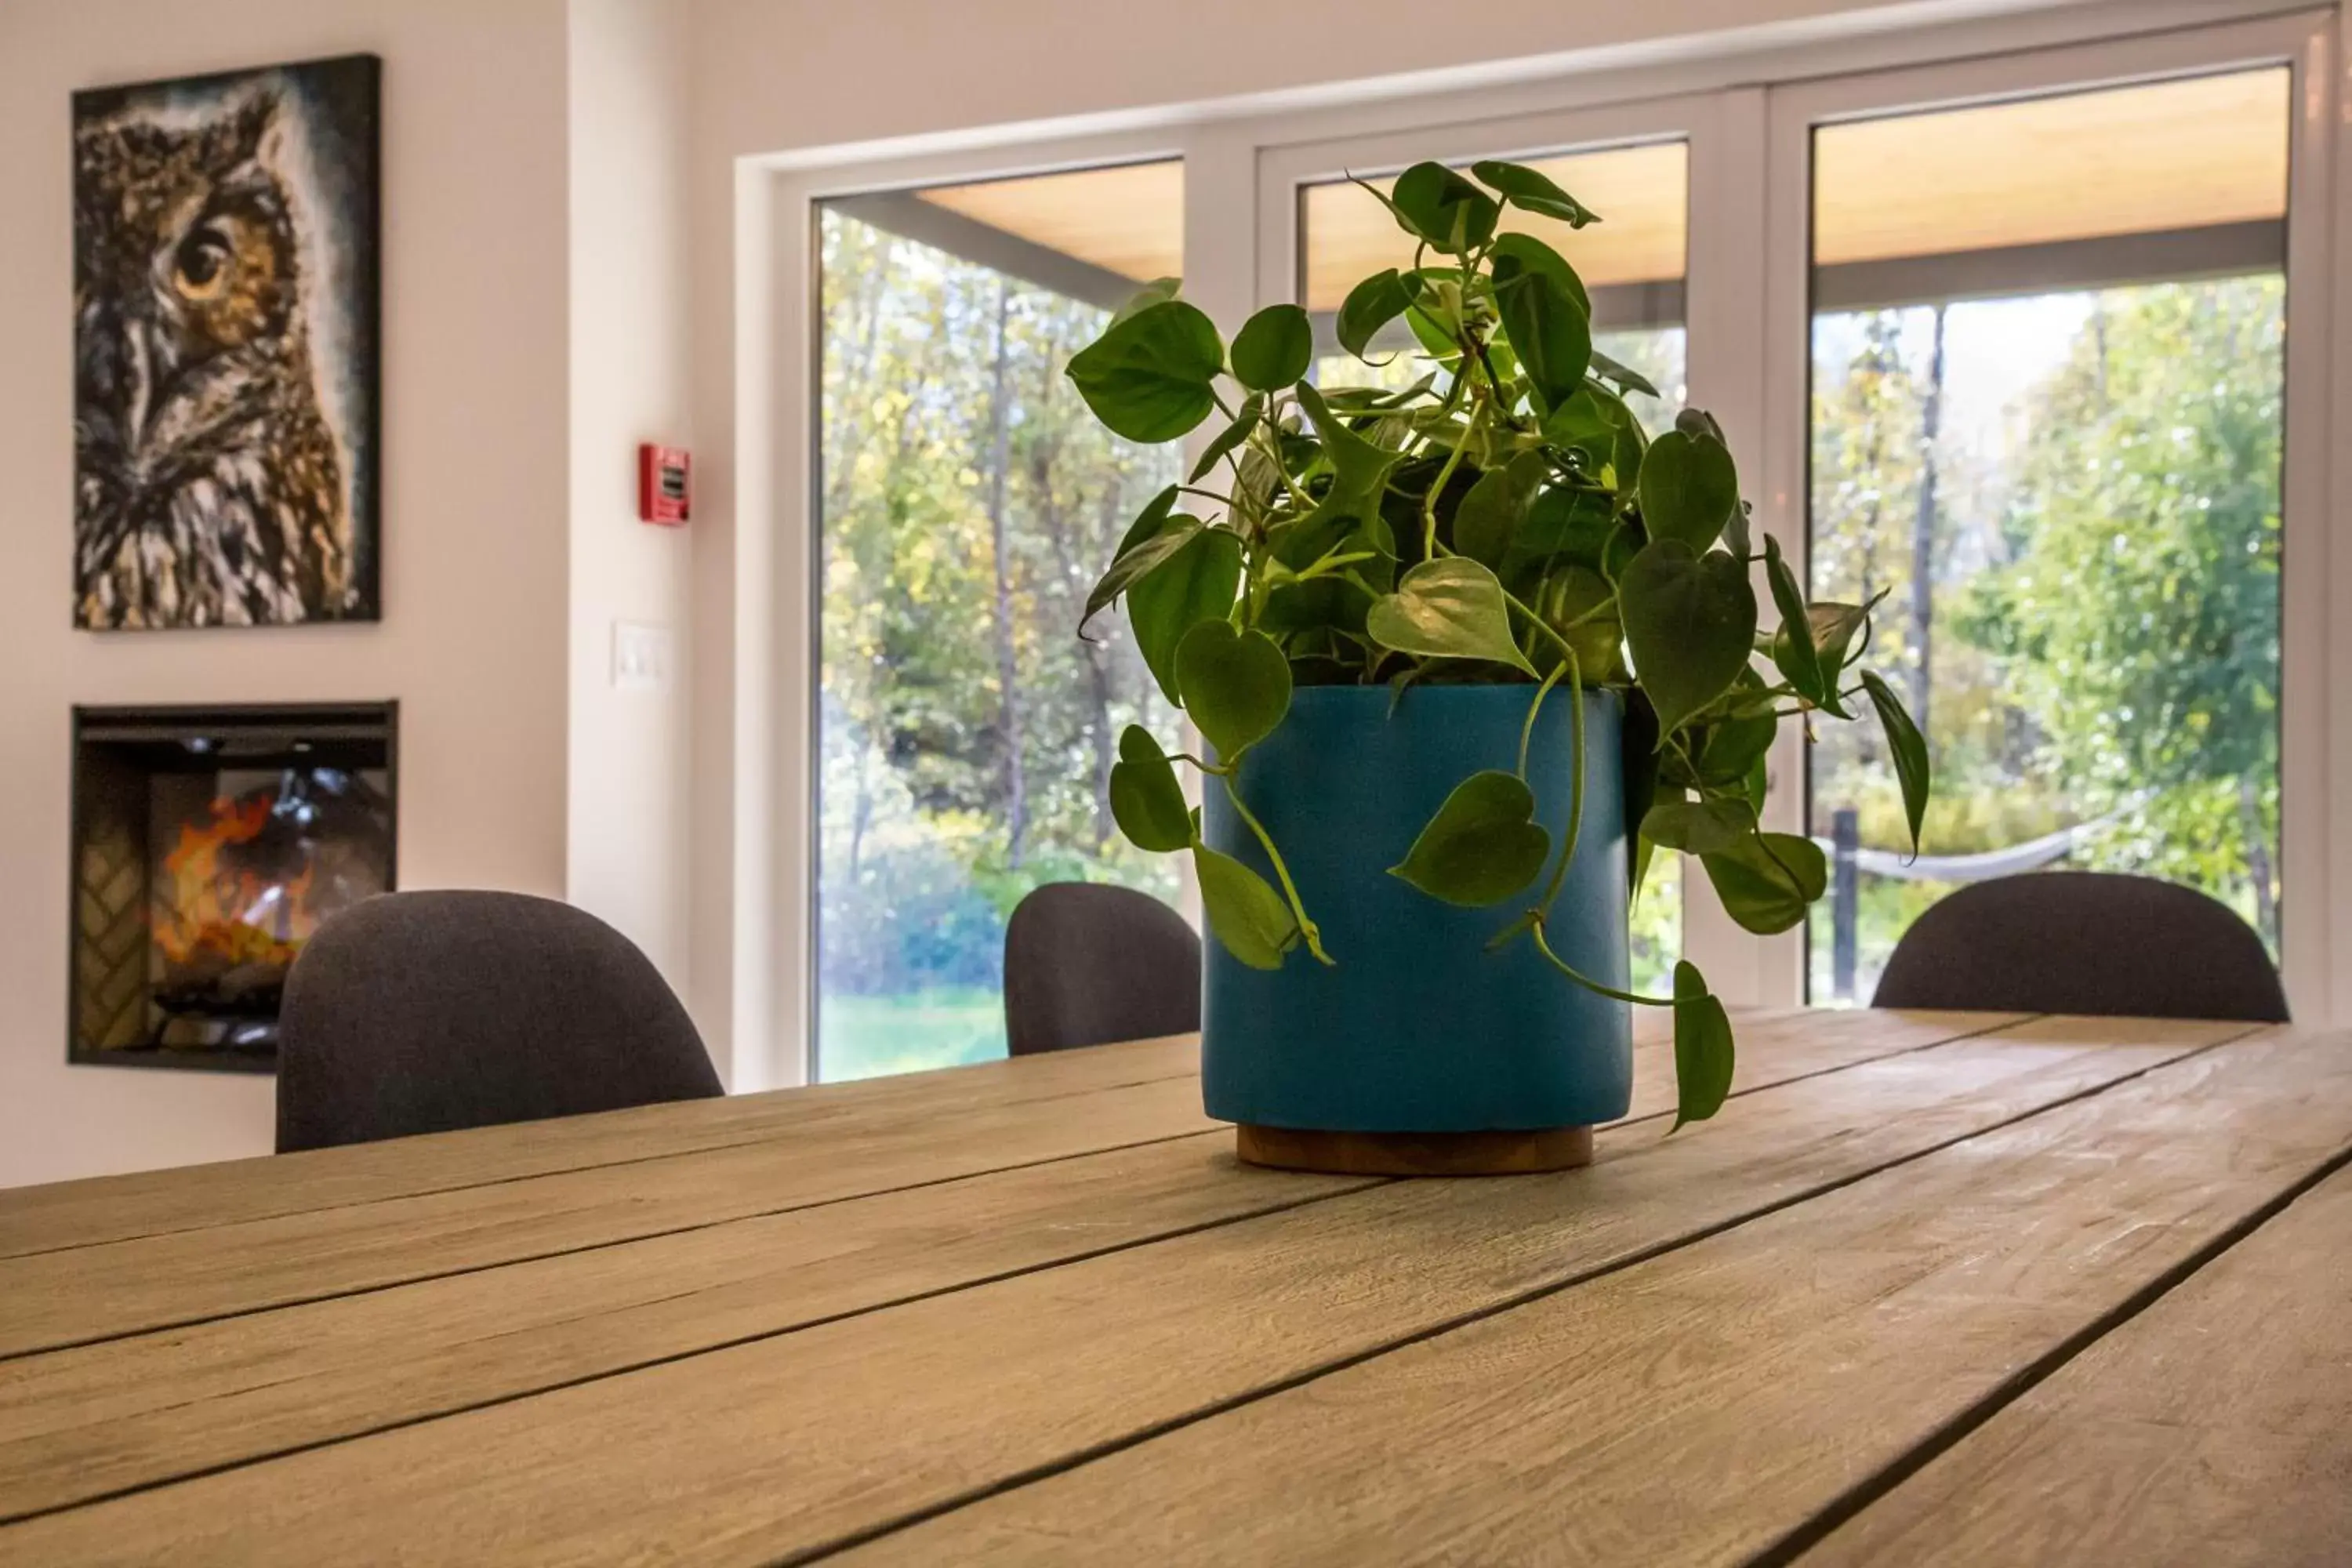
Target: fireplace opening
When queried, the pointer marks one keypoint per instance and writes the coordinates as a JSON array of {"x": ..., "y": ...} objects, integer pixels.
[{"x": 208, "y": 845}]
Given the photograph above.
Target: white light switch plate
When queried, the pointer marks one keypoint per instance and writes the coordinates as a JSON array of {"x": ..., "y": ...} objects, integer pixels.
[{"x": 642, "y": 657}]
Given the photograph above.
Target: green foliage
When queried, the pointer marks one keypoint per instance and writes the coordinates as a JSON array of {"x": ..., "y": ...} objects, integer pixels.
[
  {"x": 1273, "y": 349},
  {"x": 1235, "y": 684},
  {"x": 1483, "y": 845},
  {"x": 922, "y": 853},
  {"x": 1150, "y": 376},
  {"x": 1690, "y": 622},
  {"x": 1370, "y": 306},
  {"x": 1689, "y": 488},
  {"x": 1502, "y": 519},
  {"x": 1448, "y": 608},
  {"x": 1249, "y": 917},
  {"x": 1194, "y": 583},
  {"x": 1767, "y": 880},
  {"x": 1703, "y": 1049},
  {"x": 1145, "y": 797},
  {"x": 1699, "y": 827}
]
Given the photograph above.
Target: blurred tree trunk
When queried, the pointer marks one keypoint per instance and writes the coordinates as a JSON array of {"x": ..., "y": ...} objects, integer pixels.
[
  {"x": 1044, "y": 453},
  {"x": 1923, "y": 530},
  {"x": 1017, "y": 791},
  {"x": 2257, "y": 862}
]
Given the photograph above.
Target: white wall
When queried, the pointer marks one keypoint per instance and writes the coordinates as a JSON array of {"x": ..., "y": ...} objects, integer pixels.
[
  {"x": 476, "y": 520},
  {"x": 628, "y": 781}
]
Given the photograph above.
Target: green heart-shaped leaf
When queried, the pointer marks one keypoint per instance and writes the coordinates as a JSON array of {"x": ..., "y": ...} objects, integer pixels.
[
  {"x": 1274, "y": 348},
  {"x": 1490, "y": 514},
  {"x": 1234, "y": 684},
  {"x": 1564, "y": 525},
  {"x": 1704, "y": 1058},
  {"x": 1698, "y": 827},
  {"x": 1535, "y": 256},
  {"x": 1768, "y": 880},
  {"x": 1194, "y": 585},
  {"x": 1139, "y": 559},
  {"x": 1370, "y": 306},
  {"x": 1912, "y": 769},
  {"x": 1732, "y": 746},
  {"x": 1449, "y": 608},
  {"x": 1551, "y": 332},
  {"x": 1793, "y": 653},
  {"x": 1531, "y": 191},
  {"x": 1483, "y": 845},
  {"x": 1690, "y": 621},
  {"x": 1148, "y": 375},
  {"x": 1246, "y": 915},
  {"x": 1689, "y": 488},
  {"x": 1146, "y": 800},
  {"x": 1434, "y": 202}
]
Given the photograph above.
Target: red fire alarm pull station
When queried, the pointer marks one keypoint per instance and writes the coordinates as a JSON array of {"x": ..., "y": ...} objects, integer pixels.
[{"x": 664, "y": 491}]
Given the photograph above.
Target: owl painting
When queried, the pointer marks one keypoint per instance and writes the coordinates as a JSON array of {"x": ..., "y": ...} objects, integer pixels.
[{"x": 224, "y": 349}]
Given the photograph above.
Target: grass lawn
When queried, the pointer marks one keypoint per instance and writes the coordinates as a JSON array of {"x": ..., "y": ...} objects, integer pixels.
[{"x": 869, "y": 1037}]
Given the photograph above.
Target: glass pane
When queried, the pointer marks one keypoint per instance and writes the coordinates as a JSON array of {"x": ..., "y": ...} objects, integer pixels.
[
  {"x": 2047, "y": 388},
  {"x": 1632, "y": 262},
  {"x": 968, "y": 503}
]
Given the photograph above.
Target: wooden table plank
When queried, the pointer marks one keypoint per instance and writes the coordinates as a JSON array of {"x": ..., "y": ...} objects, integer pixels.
[
  {"x": 788, "y": 1444},
  {"x": 82, "y": 1424},
  {"x": 1704, "y": 1406},
  {"x": 150, "y": 1203},
  {"x": 2214, "y": 1428},
  {"x": 81, "y": 1295},
  {"x": 78, "y": 1296}
]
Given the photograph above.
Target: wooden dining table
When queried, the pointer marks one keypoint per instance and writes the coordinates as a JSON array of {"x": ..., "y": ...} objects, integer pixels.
[{"x": 1932, "y": 1289}]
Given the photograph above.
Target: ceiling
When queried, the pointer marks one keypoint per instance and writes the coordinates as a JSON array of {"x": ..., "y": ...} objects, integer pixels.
[
  {"x": 2166, "y": 155},
  {"x": 1128, "y": 219},
  {"x": 2152, "y": 157}
]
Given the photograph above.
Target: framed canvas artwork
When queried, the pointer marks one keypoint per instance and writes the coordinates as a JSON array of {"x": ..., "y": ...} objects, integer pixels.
[{"x": 225, "y": 322}]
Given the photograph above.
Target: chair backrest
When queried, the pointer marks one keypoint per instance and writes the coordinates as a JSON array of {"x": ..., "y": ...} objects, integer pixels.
[
  {"x": 2083, "y": 941},
  {"x": 1087, "y": 964},
  {"x": 429, "y": 1011}
]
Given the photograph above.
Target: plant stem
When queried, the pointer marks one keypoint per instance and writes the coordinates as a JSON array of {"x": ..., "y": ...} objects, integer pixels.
[
  {"x": 1289, "y": 889},
  {"x": 1543, "y": 945},
  {"x": 1437, "y": 486},
  {"x": 1528, "y": 729},
  {"x": 1575, "y": 669}
]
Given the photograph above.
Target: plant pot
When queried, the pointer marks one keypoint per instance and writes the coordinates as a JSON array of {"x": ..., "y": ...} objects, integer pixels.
[{"x": 1418, "y": 1051}]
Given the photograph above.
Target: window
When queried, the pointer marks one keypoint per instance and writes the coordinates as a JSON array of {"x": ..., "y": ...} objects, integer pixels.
[
  {"x": 966, "y": 503},
  {"x": 2046, "y": 415},
  {"x": 1632, "y": 262}
]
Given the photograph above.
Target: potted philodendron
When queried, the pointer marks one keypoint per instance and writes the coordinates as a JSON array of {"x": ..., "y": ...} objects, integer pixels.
[{"x": 1463, "y": 656}]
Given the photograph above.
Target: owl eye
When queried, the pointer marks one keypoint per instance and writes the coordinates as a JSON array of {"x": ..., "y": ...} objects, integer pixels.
[{"x": 201, "y": 266}]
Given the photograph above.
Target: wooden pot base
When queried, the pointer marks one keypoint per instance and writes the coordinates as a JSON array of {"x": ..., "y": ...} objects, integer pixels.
[{"x": 1501, "y": 1153}]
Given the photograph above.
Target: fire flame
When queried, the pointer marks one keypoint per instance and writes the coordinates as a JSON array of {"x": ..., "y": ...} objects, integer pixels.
[{"x": 211, "y": 910}]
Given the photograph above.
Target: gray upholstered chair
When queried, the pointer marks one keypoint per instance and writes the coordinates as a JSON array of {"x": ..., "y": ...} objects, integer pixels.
[
  {"x": 425, "y": 1012},
  {"x": 1087, "y": 964},
  {"x": 2083, "y": 941}
]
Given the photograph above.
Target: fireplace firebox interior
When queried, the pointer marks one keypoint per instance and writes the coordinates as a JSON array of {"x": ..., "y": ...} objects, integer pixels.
[{"x": 208, "y": 845}]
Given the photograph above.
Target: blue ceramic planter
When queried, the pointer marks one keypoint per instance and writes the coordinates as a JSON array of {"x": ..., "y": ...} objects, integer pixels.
[{"x": 1418, "y": 1028}]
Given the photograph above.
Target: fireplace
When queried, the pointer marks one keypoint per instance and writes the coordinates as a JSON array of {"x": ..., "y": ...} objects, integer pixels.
[{"x": 208, "y": 845}]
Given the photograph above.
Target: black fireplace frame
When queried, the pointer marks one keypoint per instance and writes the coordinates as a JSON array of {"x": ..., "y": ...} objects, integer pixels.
[{"x": 171, "y": 721}]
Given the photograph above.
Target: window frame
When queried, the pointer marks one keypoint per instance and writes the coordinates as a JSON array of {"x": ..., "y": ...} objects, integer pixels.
[
  {"x": 2303, "y": 42},
  {"x": 1745, "y": 102}
]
